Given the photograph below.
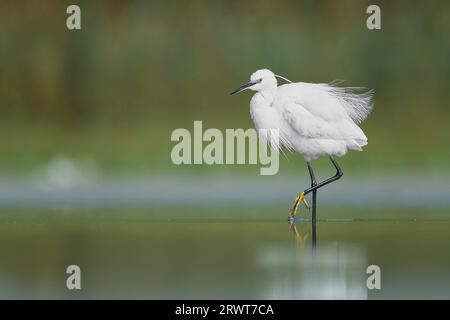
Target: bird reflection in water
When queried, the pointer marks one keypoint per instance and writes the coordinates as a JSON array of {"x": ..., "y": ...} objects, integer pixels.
[{"x": 300, "y": 238}]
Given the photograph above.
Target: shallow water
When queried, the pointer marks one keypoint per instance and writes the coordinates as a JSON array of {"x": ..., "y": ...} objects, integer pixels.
[{"x": 223, "y": 253}]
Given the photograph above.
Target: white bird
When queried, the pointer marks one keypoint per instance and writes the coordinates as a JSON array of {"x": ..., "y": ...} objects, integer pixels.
[{"x": 313, "y": 119}]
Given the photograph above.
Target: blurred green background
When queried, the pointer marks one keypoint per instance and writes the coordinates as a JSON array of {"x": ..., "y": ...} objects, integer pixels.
[
  {"x": 112, "y": 93},
  {"x": 86, "y": 176}
]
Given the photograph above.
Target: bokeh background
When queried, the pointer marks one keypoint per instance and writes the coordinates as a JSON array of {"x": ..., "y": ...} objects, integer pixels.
[
  {"x": 86, "y": 118},
  {"x": 113, "y": 92}
]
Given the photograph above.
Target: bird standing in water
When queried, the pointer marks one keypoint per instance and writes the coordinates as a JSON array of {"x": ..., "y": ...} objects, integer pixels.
[{"x": 313, "y": 119}]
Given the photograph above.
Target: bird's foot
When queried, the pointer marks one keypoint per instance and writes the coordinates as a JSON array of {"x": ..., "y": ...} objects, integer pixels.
[{"x": 298, "y": 200}]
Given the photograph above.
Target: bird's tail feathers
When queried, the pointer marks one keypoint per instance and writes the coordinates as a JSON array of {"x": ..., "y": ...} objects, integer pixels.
[
  {"x": 336, "y": 82},
  {"x": 356, "y": 144},
  {"x": 357, "y": 101}
]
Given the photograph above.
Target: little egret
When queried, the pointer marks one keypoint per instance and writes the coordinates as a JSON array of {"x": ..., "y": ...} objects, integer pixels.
[{"x": 313, "y": 119}]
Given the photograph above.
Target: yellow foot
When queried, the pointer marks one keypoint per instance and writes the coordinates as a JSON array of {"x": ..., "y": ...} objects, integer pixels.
[{"x": 298, "y": 200}]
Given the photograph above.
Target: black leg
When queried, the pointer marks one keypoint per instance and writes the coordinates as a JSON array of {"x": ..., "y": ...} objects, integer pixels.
[
  {"x": 337, "y": 176},
  {"x": 314, "y": 203},
  {"x": 314, "y": 187},
  {"x": 311, "y": 174}
]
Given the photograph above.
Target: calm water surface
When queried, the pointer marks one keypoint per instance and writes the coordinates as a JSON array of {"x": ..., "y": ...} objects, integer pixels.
[{"x": 223, "y": 253}]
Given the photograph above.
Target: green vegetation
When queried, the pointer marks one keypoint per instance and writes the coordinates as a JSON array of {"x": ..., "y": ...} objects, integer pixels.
[{"x": 114, "y": 91}]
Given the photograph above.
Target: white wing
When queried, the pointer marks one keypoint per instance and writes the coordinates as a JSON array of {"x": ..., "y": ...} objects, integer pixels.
[{"x": 321, "y": 111}]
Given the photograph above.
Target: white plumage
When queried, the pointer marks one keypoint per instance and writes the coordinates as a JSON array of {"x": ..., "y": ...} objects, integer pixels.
[{"x": 312, "y": 119}]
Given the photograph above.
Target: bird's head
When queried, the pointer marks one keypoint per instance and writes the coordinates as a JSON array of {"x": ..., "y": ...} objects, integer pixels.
[{"x": 261, "y": 80}]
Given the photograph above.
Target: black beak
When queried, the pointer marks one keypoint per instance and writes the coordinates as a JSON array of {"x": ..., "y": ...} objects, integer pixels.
[{"x": 244, "y": 86}]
